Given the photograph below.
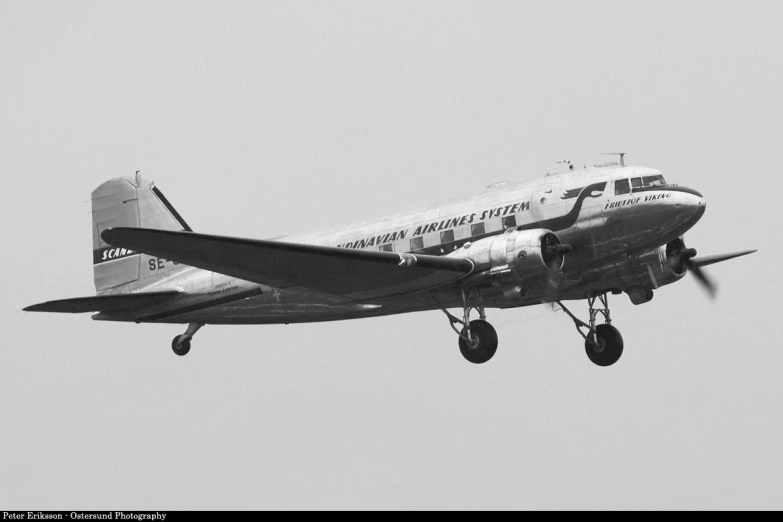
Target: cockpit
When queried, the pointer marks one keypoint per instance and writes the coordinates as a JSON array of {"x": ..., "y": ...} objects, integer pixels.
[{"x": 626, "y": 186}]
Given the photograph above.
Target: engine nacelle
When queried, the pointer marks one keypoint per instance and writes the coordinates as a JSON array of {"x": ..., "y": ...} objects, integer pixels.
[
  {"x": 652, "y": 269},
  {"x": 515, "y": 255}
]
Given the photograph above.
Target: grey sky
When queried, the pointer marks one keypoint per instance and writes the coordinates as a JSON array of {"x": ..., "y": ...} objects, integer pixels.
[{"x": 266, "y": 118}]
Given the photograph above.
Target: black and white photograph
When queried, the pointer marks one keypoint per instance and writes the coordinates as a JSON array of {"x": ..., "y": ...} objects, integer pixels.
[{"x": 390, "y": 256}]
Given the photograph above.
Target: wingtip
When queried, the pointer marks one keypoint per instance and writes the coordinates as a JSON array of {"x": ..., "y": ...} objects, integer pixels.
[
  {"x": 117, "y": 235},
  {"x": 114, "y": 235},
  {"x": 109, "y": 235},
  {"x": 38, "y": 307}
]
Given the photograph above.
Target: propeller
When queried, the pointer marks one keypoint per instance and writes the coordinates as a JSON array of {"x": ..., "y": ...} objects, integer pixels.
[{"x": 682, "y": 259}]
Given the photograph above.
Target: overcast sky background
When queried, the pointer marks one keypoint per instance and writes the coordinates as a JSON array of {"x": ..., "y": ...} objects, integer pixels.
[{"x": 260, "y": 119}]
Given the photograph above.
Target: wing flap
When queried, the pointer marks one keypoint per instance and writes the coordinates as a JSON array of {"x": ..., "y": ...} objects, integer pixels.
[
  {"x": 345, "y": 273},
  {"x": 103, "y": 303}
]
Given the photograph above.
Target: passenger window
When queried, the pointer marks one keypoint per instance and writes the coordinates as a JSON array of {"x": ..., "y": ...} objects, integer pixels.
[
  {"x": 477, "y": 229},
  {"x": 636, "y": 183},
  {"x": 386, "y": 248},
  {"x": 447, "y": 236},
  {"x": 417, "y": 243},
  {"x": 621, "y": 186},
  {"x": 509, "y": 222}
]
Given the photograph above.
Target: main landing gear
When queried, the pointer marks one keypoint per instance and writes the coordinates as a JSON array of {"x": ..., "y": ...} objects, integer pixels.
[
  {"x": 181, "y": 343},
  {"x": 478, "y": 340},
  {"x": 603, "y": 343}
]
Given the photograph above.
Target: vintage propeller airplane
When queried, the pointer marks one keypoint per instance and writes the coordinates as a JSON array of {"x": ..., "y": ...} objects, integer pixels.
[{"x": 581, "y": 234}]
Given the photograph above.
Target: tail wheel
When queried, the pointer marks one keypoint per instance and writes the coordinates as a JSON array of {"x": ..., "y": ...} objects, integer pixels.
[
  {"x": 180, "y": 348},
  {"x": 484, "y": 345},
  {"x": 610, "y": 345}
]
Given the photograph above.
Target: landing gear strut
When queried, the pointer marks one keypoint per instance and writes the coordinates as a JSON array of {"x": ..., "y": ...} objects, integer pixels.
[
  {"x": 603, "y": 343},
  {"x": 181, "y": 343},
  {"x": 478, "y": 340}
]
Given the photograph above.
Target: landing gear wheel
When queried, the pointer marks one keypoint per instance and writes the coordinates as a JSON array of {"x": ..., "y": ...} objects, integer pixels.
[
  {"x": 610, "y": 345},
  {"x": 180, "y": 348},
  {"x": 485, "y": 342}
]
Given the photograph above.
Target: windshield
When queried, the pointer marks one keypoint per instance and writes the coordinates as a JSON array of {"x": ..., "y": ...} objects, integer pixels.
[
  {"x": 653, "y": 181},
  {"x": 648, "y": 181}
]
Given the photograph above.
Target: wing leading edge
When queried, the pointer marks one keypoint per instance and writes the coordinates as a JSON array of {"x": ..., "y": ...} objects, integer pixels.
[{"x": 343, "y": 273}]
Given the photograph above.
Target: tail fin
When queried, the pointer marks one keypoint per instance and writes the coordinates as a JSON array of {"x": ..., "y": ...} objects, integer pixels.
[{"x": 126, "y": 202}]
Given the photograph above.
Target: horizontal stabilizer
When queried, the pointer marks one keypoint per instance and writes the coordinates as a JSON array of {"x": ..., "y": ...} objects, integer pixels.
[
  {"x": 345, "y": 273},
  {"x": 104, "y": 303}
]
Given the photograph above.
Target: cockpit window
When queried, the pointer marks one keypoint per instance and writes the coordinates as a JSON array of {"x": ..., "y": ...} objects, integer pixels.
[
  {"x": 648, "y": 181},
  {"x": 621, "y": 186},
  {"x": 653, "y": 181}
]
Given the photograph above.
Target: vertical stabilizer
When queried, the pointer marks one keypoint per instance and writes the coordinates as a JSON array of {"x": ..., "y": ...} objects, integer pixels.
[{"x": 129, "y": 202}]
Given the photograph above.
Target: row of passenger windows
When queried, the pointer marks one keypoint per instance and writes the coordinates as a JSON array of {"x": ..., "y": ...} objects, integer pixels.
[
  {"x": 447, "y": 236},
  {"x": 623, "y": 186}
]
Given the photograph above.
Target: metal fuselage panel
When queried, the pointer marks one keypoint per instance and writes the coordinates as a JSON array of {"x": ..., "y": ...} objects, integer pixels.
[{"x": 605, "y": 229}]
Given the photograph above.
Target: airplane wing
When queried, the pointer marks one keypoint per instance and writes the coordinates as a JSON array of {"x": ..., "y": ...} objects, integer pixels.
[
  {"x": 103, "y": 303},
  {"x": 345, "y": 274}
]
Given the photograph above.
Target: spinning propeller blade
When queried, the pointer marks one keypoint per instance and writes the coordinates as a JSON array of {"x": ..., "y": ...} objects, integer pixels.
[
  {"x": 719, "y": 258},
  {"x": 686, "y": 257},
  {"x": 709, "y": 286}
]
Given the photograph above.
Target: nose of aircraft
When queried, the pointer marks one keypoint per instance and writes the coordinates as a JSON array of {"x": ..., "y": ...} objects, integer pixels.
[
  {"x": 689, "y": 205},
  {"x": 699, "y": 208}
]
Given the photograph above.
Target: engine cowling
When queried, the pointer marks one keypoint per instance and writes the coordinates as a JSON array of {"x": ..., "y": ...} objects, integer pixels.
[
  {"x": 515, "y": 255},
  {"x": 653, "y": 269},
  {"x": 677, "y": 255}
]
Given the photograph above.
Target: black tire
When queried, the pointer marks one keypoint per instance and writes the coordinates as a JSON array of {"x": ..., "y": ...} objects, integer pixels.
[
  {"x": 182, "y": 349},
  {"x": 487, "y": 342},
  {"x": 612, "y": 345}
]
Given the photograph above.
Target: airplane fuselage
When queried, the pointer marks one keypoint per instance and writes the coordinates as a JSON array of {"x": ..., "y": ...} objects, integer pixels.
[{"x": 614, "y": 219}]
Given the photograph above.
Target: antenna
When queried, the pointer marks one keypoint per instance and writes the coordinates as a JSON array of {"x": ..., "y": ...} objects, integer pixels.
[{"x": 621, "y": 154}]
